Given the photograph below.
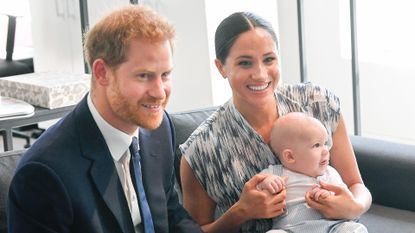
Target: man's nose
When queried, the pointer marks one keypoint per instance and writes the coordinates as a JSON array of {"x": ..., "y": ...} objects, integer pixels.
[{"x": 158, "y": 88}]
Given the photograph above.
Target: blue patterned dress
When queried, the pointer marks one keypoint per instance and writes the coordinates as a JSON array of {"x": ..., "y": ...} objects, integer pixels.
[{"x": 224, "y": 152}]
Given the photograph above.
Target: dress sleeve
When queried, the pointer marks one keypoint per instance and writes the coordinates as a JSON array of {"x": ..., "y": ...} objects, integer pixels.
[
  {"x": 322, "y": 104},
  {"x": 275, "y": 169}
]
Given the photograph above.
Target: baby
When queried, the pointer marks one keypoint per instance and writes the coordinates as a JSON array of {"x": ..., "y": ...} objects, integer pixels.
[{"x": 302, "y": 145}]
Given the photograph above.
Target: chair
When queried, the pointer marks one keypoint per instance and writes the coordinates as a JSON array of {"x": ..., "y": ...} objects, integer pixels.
[{"x": 10, "y": 67}]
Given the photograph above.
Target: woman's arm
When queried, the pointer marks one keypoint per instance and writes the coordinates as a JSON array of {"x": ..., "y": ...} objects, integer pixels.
[
  {"x": 347, "y": 203},
  {"x": 252, "y": 204}
]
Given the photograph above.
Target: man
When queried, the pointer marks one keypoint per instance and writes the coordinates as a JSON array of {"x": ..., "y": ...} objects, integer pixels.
[{"x": 78, "y": 176}]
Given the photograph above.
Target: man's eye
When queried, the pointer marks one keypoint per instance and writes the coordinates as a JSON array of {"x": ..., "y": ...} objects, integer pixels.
[{"x": 144, "y": 76}]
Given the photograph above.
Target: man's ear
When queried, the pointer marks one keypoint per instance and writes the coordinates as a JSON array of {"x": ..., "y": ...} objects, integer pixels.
[
  {"x": 101, "y": 70},
  {"x": 288, "y": 156},
  {"x": 220, "y": 67}
]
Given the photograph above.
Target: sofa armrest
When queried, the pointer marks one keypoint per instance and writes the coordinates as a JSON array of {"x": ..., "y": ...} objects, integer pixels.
[{"x": 388, "y": 170}]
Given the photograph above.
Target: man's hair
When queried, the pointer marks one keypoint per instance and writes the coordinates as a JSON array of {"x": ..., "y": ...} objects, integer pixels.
[{"x": 109, "y": 38}]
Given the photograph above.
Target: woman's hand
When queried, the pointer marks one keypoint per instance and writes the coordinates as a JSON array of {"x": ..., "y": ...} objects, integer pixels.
[
  {"x": 257, "y": 204},
  {"x": 341, "y": 205}
]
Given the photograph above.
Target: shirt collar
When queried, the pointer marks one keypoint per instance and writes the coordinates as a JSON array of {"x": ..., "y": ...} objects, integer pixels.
[{"x": 117, "y": 141}]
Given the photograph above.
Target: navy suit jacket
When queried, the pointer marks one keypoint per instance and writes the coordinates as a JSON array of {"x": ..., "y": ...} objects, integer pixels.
[{"x": 67, "y": 182}]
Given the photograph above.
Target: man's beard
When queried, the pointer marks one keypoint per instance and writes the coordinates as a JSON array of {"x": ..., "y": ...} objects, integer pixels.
[{"x": 130, "y": 111}]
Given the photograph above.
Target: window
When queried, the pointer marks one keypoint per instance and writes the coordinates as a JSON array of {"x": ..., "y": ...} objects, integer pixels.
[{"x": 385, "y": 39}]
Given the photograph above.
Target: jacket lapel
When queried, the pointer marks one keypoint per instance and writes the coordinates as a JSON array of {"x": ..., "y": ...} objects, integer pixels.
[
  {"x": 103, "y": 172},
  {"x": 157, "y": 168},
  {"x": 150, "y": 151}
]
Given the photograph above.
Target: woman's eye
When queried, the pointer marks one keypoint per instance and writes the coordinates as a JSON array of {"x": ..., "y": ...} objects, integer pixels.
[
  {"x": 244, "y": 63},
  {"x": 269, "y": 60}
]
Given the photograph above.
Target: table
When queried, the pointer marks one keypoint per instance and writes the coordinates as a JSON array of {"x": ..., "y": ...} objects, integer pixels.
[{"x": 41, "y": 114}]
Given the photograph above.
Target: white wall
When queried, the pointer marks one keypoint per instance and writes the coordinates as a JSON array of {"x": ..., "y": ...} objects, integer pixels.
[
  {"x": 191, "y": 76},
  {"x": 98, "y": 8},
  {"x": 288, "y": 37},
  {"x": 57, "y": 37}
]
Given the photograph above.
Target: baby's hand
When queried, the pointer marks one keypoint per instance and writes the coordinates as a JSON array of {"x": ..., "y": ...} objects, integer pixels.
[
  {"x": 272, "y": 183},
  {"x": 317, "y": 192}
]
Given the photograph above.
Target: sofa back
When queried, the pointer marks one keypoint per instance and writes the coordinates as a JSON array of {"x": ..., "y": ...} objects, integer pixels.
[
  {"x": 8, "y": 163},
  {"x": 388, "y": 170},
  {"x": 184, "y": 123}
]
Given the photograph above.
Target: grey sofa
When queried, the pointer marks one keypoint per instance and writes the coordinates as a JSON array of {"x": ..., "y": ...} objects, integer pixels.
[{"x": 387, "y": 168}]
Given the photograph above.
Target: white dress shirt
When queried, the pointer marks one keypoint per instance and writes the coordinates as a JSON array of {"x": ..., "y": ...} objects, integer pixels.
[{"x": 118, "y": 144}]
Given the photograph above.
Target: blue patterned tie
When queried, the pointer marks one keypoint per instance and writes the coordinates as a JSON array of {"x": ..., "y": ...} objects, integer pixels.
[{"x": 145, "y": 209}]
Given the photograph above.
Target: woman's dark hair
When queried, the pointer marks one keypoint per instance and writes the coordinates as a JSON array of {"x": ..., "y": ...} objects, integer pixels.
[{"x": 234, "y": 25}]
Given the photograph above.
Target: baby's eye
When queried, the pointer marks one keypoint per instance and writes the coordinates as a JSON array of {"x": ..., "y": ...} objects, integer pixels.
[{"x": 317, "y": 145}]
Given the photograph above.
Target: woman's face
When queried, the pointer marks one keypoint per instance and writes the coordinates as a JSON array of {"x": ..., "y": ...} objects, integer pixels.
[{"x": 252, "y": 68}]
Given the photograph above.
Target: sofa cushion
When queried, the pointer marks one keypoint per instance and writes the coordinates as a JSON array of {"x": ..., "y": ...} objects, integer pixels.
[
  {"x": 8, "y": 163},
  {"x": 386, "y": 219}
]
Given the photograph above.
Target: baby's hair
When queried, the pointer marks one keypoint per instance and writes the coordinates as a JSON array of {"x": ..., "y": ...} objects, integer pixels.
[{"x": 290, "y": 129}]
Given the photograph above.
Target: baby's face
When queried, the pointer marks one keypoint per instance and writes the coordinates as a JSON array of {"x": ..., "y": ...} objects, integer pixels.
[{"x": 311, "y": 153}]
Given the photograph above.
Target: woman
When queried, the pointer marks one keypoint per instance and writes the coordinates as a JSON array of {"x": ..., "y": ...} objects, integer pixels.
[{"x": 223, "y": 155}]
